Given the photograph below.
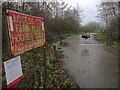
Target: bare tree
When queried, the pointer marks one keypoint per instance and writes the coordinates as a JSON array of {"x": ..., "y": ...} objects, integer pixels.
[{"x": 107, "y": 11}]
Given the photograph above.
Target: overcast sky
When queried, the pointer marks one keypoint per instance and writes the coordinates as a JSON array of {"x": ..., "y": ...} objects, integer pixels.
[{"x": 89, "y": 9}]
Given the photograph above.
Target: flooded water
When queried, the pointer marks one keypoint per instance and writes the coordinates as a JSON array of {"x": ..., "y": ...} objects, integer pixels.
[{"x": 91, "y": 64}]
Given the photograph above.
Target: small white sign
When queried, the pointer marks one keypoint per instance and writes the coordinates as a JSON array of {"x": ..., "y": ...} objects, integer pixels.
[
  {"x": 11, "y": 23},
  {"x": 13, "y": 71},
  {"x": 43, "y": 26}
]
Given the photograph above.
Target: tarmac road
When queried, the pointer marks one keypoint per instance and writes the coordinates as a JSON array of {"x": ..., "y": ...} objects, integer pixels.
[{"x": 91, "y": 63}]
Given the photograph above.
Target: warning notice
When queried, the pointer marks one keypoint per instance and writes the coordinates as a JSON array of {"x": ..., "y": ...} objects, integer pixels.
[
  {"x": 13, "y": 71},
  {"x": 25, "y": 31}
]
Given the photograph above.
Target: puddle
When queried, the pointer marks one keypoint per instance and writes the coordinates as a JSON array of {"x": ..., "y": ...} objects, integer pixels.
[
  {"x": 85, "y": 52},
  {"x": 90, "y": 44}
]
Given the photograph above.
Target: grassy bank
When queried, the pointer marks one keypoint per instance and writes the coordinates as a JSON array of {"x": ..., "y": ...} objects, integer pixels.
[{"x": 103, "y": 38}]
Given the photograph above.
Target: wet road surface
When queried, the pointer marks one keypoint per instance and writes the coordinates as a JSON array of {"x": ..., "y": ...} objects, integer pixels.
[{"x": 91, "y": 64}]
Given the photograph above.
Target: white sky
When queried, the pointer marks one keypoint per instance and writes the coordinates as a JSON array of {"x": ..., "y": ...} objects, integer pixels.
[{"x": 89, "y": 9}]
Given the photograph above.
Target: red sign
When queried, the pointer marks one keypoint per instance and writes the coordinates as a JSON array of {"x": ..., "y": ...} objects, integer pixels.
[{"x": 26, "y": 32}]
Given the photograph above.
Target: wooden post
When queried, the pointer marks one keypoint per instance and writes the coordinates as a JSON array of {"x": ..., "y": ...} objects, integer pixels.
[
  {"x": 0, "y": 32},
  {"x": 44, "y": 63},
  {"x": 0, "y": 46},
  {"x": 7, "y": 35},
  {"x": 54, "y": 49}
]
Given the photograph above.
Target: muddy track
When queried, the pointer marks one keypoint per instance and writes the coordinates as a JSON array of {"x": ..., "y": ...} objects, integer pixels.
[{"x": 91, "y": 63}]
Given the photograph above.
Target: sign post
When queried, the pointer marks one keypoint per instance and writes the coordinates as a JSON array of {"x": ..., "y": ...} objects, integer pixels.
[
  {"x": 25, "y": 32},
  {"x": 44, "y": 63}
]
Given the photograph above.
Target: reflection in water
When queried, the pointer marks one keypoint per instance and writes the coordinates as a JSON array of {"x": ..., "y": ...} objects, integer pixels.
[{"x": 85, "y": 52}]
